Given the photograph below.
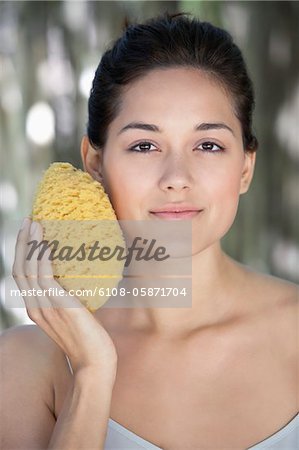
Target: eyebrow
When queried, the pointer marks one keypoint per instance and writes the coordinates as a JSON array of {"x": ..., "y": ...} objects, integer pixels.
[{"x": 199, "y": 127}]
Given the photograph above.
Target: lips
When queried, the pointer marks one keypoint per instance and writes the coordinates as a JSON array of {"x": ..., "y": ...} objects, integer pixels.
[
  {"x": 176, "y": 215},
  {"x": 172, "y": 211}
]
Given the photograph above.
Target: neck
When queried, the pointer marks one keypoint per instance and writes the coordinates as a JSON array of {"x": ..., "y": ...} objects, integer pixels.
[{"x": 214, "y": 277}]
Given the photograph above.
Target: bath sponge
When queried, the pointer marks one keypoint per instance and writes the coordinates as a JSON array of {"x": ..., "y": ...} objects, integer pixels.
[{"x": 76, "y": 213}]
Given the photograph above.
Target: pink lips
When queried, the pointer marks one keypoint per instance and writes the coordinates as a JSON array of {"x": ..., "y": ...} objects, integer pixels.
[
  {"x": 176, "y": 215},
  {"x": 176, "y": 211}
]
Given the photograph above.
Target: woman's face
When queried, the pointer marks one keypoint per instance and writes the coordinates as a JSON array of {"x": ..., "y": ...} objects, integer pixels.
[{"x": 186, "y": 150}]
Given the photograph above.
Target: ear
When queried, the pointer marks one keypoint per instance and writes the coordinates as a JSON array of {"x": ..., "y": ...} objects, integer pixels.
[
  {"x": 248, "y": 170},
  {"x": 91, "y": 159}
]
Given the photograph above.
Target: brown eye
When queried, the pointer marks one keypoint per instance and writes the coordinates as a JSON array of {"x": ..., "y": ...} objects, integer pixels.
[
  {"x": 144, "y": 147},
  {"x": 211, "y": 147}
]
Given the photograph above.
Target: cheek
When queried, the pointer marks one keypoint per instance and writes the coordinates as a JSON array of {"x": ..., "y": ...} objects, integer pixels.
[
  {"x": 222, "y": 188},
  {"x": 228, "y": 190},
  {"x": 223, "y": 197},
  {"x": 220, "y": 195},
  {"x": 223, "y": 181},
  {"x": 124, "y": 190}
]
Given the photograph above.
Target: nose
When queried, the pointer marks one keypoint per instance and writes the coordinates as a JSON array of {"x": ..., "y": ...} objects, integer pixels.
[{"x": 176, "y": 175}]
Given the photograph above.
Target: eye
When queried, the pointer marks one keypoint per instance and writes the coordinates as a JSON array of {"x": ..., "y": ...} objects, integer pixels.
[
  {"x": 209, "y": 146},
  {"x": 144, "y": 147}
]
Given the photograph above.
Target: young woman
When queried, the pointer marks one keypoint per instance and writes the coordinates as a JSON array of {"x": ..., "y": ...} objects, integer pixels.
[{"x": 169, "y": 129}]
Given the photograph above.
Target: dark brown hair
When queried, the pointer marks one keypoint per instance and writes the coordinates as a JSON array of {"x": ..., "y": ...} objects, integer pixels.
[{"x": 169, "y": 40}]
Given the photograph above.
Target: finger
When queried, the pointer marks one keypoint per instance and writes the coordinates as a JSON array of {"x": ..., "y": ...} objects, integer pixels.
[
  {"x": 60, "y": 298},
  {"x": 31, "y": 266},
  {"x": 21, "y": 250},
  {"x": 18, "y": 272}
]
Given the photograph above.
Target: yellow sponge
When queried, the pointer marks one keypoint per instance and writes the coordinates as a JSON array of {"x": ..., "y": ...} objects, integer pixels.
[{"x": 75, "y": 211}]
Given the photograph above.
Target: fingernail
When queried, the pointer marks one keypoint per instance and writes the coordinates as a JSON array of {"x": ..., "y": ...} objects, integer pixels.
[
  {"x": 24, "y": 223},
  {"x": 33, "y": 228}
]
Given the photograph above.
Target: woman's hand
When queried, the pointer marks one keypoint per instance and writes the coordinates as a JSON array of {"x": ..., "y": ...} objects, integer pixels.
[{"x": 80, "y": 336}]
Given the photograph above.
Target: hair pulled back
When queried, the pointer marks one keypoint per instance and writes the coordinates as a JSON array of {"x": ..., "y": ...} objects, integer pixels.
[{"x": 166, "y": 41}]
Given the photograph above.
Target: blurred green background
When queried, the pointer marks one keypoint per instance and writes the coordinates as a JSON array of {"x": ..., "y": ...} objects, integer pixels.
[{"x": 49, "y": 51}]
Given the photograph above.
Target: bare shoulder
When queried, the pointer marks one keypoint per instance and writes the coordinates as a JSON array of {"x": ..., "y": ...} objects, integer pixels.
[
  {"x": 33, "y": 369},
  {"x": 276, "y": 308},
  {"x": 31, "y": 356},
  {"x": 26, "y": 341},
  {"x": 270, "y": 290},
  {"x": 30, "y": 341},
  {"x": 27, "y": 335}
]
